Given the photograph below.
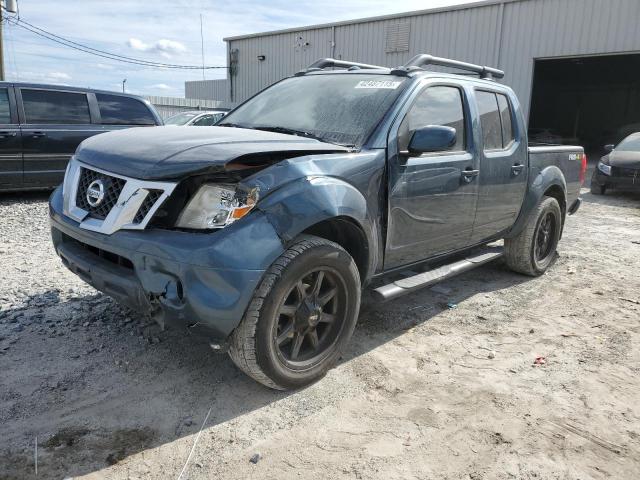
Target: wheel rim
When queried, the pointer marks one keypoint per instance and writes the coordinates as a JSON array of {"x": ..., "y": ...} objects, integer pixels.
[
  {"x": 545, "y": 237},
  {"x": 309, "y": 319}
]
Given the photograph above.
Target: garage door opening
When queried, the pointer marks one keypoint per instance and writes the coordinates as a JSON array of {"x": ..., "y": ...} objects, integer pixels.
[{"x": 588, "y": 101}]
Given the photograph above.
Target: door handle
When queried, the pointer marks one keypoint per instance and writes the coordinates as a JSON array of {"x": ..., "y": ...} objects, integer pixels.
[
  {"x": 7, "y": 134},
  {"x": 469, "y": 174},
  {"x": 38, "y": 134},
  {"x": 516, "y": 169}
]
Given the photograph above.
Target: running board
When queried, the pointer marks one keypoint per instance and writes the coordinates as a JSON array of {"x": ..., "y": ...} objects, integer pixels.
[{"x": 425, "y": 279}]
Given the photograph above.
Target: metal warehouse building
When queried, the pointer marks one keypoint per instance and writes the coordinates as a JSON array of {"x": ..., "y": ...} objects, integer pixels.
[{"x": 575, "y": 64}]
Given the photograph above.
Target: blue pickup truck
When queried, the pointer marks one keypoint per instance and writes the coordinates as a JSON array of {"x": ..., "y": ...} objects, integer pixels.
[{"x": 262, "y": 232}]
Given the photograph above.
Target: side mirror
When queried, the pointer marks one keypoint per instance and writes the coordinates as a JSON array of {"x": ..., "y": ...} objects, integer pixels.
[
  {"x": 432, "y": 138},
  {"x": 609, "y": 148}
]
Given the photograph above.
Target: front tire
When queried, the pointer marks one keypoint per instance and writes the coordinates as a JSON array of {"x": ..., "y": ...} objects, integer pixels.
[
  {"x": 534, "y": 249},
  {"x": 301, "y": 316}
]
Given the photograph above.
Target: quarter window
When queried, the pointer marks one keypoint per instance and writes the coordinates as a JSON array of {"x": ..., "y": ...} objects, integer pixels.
[
  {"x": 506, "y": 119},
  {"x": 5, "y": 109},
  {"x": 51, "y": 106},
  {"x": 439, "y": 105},
  {"x": 119, "y": 110}
]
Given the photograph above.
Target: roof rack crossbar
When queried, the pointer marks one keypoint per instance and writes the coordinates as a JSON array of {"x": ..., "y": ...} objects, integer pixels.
[
  {"x": 332, "y": 62},
  {"x": 484, "y": 72}
]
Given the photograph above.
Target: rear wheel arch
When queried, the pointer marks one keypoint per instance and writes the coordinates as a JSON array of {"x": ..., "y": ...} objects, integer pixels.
[{"x": 557, "y": 192}]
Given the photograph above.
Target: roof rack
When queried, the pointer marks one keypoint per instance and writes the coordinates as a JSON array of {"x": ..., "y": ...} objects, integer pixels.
[
  {"x": 332, "y": 62},
  {"x": 416, "y": 63},
  {"x": 421, "y": 60}
]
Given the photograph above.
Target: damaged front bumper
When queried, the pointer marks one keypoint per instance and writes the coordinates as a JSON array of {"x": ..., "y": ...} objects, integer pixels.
[{"x": 201, "y": 281}]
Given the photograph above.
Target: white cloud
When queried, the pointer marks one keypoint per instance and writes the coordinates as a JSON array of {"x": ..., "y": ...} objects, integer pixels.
[
  {"x": 160, "y": 86},
  {"x": 59, "y": 76},
  {"x": 164, "y": 47}
]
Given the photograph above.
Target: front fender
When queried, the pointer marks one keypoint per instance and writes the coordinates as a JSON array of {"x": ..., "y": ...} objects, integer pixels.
[
  {"x": 545, "y": 179},
  {"x": 305, "y": 202}
]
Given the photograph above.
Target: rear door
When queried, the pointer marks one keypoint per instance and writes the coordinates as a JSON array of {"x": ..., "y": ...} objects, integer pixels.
[
  {"x": 432, "y": 197},
  {"x": 502, "y": 180},
  {"x": 10, "y": 141},
  {"x": 54, "y": 122}
]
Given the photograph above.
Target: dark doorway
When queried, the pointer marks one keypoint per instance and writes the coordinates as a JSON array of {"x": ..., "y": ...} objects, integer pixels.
[{"x": 588, "y": 101}]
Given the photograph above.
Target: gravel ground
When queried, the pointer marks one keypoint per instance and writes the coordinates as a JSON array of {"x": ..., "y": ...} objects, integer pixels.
[{"x": 425, "y": 391}]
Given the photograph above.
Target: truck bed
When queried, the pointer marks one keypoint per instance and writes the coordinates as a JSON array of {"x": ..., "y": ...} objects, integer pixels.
[{"x": 567, "y": 158}]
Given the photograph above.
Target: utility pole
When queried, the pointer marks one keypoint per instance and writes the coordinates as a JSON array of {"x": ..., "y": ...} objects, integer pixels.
[
  {"x": 123, "y": 82},
  {"x": 11, "y": 7},
  {"x": 1, "y": 44},
  {"x": 202, "y": 46}
]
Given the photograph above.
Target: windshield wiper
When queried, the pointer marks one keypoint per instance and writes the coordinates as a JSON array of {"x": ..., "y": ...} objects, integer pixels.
[
  {"x": 285, "y": 130},
  {"x": 290, "y": 131},
  {"x": 233, "y": 125}
]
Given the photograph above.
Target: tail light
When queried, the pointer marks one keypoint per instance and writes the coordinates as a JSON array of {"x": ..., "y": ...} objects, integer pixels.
[{"x": 583, "y": 168}]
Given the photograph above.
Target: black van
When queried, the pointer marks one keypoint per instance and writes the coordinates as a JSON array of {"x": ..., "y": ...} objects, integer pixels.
[{"x": 41, "y": 126}]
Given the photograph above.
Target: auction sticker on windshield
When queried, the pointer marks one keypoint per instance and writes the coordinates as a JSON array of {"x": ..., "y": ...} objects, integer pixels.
[{"x": 378, "y": 84}]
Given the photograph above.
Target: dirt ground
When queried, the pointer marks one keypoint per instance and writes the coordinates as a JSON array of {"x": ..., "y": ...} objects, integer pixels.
[{"x": 425, "y": 391}]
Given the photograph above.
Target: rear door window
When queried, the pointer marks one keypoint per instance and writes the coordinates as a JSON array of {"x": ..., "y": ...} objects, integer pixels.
[
  {"x": 5, "y": 108},
  {"x": 437, "y": 105},
  {"x": 52, "y": 106},
  {"x": 489, "y": 120},
  {"x": 119, "y": 110}
]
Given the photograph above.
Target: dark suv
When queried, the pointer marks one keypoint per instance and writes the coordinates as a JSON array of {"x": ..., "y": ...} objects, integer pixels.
[{"x": 42, "y": 125}]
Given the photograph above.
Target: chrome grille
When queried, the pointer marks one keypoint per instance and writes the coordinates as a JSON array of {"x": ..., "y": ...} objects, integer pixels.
[
  {"x": 148, "y": 203},
  {"x": 113, "y": 188},
  {"x": 126, "y": 203}
]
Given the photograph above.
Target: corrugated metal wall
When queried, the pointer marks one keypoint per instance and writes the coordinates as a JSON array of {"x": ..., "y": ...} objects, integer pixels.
[
  {"x": 167, "y": 106},
  {"x": 508, "y": 35},
  {"x": 207, "y": 89}
]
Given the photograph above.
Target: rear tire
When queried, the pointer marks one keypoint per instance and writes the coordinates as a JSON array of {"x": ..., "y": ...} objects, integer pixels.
[
  {"x": 301, "y": 316},
  {"x": 534, "y": 249}
]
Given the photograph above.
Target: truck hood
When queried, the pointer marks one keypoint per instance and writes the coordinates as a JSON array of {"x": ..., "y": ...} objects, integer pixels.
[
  {"x": 161, "y": 153},
  {"x": 624, "y": 159}
]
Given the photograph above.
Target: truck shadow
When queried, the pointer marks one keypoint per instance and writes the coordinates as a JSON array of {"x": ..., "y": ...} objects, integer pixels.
[{"x": 97, "y": 383}]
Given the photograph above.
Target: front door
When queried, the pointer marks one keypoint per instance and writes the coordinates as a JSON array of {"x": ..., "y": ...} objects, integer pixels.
[
  {"x": 54, "y": 124},
  {"x": 502, "y": 181},
  {"x": 432, "y": 197},
  {"x": 10, "y": 142}
]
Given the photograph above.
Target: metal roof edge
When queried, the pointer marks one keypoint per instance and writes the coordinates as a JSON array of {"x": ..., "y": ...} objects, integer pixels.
[{"x": 450, "y": 8}]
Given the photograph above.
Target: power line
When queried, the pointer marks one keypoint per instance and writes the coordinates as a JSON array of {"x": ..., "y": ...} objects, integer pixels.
[
  {"x": 63, "y": 39},
  {"x": 100, "y": 53}
]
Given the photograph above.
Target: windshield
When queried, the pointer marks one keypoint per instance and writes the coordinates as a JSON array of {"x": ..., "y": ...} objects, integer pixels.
[
  {"x": 180, "y": 118},
  {"x": 341, "y": 108},
  {"x": 630, "y": 144}
]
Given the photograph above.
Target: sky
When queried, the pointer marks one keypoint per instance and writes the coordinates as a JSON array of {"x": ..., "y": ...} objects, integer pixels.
[{"x": 160, "y": 31}]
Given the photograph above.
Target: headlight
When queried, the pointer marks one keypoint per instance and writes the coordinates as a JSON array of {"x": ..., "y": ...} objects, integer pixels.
[
  {"x": 216, "y": 206},
  {"x": 604, "y": 168}
]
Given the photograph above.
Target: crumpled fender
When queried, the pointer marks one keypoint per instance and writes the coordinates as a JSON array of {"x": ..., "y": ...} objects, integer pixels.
[
  {"x": 546, "y": 178},
  {"x": 300, "y": 204}
]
